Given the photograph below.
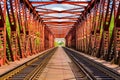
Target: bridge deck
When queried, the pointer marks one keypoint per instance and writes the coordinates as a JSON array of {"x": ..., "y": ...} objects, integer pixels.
[
  {"x": 109, "y": 65},
  {"x": 12, "y": 65},
  {"x": 58, "y": 67}
]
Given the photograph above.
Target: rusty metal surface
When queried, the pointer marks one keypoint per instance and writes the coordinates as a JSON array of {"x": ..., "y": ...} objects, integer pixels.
[
  {"x": 97, "y": 32},
  {"x": 30, "y": 26},
  {"x": 21, "y": 31},
  {"x": 66, "y": 16}
]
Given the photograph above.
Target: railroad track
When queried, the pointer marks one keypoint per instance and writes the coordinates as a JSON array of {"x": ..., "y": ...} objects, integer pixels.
[
  {"x": 33, "y": 69},
  {"x": 92, "y": 69}
]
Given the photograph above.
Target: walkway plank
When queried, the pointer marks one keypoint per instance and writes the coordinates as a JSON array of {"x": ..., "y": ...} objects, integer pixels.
[{"x": 58, "y": 67}]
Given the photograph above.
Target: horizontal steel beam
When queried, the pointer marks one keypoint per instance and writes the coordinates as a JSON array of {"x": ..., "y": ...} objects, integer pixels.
[
  {"x": 48, "y": 18},
  {"x": 59, "y": 22},
  {"x": 60, "y": 2}
]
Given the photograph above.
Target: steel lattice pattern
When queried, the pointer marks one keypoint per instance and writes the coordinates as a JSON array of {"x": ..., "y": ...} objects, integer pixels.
[{"x": 30, "y": 26}]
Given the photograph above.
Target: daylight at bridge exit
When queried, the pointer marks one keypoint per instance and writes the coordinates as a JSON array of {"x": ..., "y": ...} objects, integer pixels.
[{"x": 59, "y": 39}]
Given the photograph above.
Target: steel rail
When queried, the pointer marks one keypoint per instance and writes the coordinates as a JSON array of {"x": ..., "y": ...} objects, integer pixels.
[
  {"x": 31, "y": 70},
  {"x": 35, "y": 74},
  {"x": 15, "y": 73},
  {"x": 93, "y": 69}
]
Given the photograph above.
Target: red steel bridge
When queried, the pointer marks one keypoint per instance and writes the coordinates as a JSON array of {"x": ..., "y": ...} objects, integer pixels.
[
  {"x": 28, "y": 27},
  {"x": 22, "y": 22}
]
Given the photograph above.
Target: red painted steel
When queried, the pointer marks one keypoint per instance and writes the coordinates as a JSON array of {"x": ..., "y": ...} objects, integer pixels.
[
  {"x": 70, "y": 19},
  {"x": 94, "y": 33},
  {"x": 3, "y": 56},
  {"x": 23, "y": 32}
]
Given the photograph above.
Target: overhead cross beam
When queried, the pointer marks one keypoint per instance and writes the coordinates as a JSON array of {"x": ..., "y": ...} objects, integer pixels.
[
  {"x": 65, "y": 18},
  {"x": 58, "y": 22},
  {"x": 60, "y": 2},
  {"x": 51, "y": 12},
  {"x": 63, "y": 22},
  {"x": 76, "y": 15}
]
